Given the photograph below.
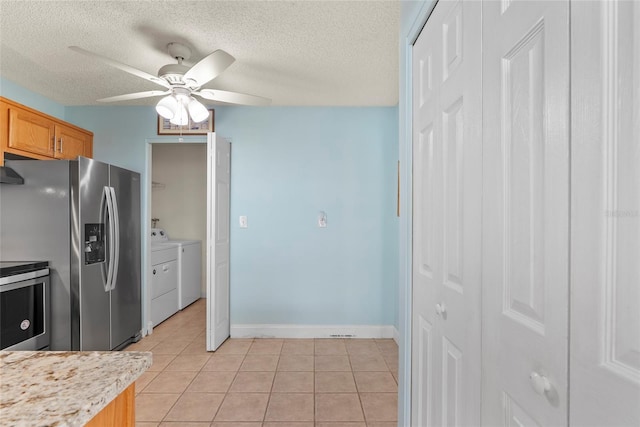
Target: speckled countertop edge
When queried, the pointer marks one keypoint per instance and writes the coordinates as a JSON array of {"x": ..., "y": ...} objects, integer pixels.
[{"x": 51, "y": 388}]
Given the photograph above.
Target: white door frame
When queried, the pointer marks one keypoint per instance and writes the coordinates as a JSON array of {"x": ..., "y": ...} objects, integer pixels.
[
  {"x": 147, "y": 326},
  {"x": 406, "y": 221}
]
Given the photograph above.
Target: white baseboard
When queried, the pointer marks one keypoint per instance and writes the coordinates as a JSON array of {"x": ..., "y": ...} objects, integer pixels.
[
  {"x": 312, "y": 331},
  {"x": 396, "y": 336}
]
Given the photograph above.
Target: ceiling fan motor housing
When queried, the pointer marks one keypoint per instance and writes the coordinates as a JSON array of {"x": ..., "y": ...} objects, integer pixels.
[{"x": 173, "y": 73}]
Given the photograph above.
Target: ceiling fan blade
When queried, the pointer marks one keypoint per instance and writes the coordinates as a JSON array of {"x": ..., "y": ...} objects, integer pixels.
[
  {"x": 137, "y": 95},
  {"x": 121, "y": 66},
  {"x": 233, "y": 97},
  {"x": 209, "y": 67}
]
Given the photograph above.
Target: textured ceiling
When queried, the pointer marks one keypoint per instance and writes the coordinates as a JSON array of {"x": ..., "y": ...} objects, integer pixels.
[{"x": 338, "y": 53}]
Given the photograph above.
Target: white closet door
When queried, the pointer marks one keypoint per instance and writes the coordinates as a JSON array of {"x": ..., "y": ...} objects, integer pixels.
[
  {"x": 605, "y": 214},
  {"x": 447, "y": 148},
  {"x": 525, "y": 212},
  {"x": 218, "y": 201}
]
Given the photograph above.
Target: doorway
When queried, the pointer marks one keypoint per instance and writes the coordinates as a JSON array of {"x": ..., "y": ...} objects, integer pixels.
[
  {"x": 196, "y": 180},
  {"x": 177, "y": 204}
]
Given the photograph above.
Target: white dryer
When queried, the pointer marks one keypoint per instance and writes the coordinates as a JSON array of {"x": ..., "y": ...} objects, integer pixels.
[
  {"x": 164, "y": 277},
  {"x": 189, "y": 268}
]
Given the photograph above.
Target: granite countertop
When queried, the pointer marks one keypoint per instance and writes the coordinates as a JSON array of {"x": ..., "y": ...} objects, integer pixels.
[{"x": 63, "y": 388}]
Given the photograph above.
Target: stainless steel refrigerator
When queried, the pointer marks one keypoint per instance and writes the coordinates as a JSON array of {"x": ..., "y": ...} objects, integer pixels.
[{"x": 83, "y": 216}]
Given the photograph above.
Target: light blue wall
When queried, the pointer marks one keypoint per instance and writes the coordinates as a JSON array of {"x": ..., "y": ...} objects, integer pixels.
[
  {"x": 412, "y": 18},
  {"x": 17, "y": 93},
  {"x": 287, "y": 165}
]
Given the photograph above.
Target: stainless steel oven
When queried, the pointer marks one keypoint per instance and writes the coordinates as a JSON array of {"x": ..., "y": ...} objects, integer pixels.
[{"x": 24, "y": 305}]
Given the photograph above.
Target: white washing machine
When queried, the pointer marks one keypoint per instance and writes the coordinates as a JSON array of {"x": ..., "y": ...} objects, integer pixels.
[
  {"x": 164, "y": 278},
  {"x": 189, "y": 268}
]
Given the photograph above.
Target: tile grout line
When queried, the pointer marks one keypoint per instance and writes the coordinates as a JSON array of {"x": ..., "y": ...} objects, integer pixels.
[
  {"x": 364, "y": 417},
  {"x": 266, "y": 408},
  {"x": 181, "y": 394},
  {"x": 314, "y": 380},
  {"x": 232, "y": 381}
]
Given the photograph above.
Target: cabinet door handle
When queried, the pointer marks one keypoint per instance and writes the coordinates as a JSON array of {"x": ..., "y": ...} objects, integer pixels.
[{"x": 61, "y": 144}]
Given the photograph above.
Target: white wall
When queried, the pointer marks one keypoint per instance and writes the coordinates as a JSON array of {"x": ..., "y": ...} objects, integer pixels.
[{"x": 179, "y": 197}]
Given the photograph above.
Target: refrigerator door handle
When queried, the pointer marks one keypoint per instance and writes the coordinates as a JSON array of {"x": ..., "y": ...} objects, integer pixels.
[
  {"x": 116, "y": 232},
  {"x": 110, "y": 241}
]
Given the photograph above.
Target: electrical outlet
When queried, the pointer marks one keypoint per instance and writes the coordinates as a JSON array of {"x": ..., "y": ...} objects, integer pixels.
[{"x": 322, "y": 219}]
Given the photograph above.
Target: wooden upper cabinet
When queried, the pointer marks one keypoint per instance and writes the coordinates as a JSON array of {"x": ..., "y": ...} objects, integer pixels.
[
  {"x": 30, "y": 133},
  {"x": 71, "y": 143}
]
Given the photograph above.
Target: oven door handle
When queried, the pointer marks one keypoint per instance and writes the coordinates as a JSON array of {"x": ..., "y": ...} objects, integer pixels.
[
  {"x": 116, "y": 238},
  {"x": 110, "y": 239}
]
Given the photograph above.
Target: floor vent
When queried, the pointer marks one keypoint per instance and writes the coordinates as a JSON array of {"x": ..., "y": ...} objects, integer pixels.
[{"x": 341, "y": 336}]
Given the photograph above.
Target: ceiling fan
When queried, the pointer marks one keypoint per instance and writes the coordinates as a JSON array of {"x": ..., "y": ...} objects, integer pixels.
[{"x": 181, "y": 83}]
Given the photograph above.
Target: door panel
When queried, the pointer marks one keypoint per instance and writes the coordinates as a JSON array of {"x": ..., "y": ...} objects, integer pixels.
[
  {"x": 219, "y": 181},
  {"x": 423, "y": 374},
  {"x": 525, "y": 211},
  {"x": 605, "y": 238},
  {"x": 427, "y": 182},
  {"x": 447, "y": 203},
  {"x": 93, "y": 299},
  {"x": 126, "y": 317}
]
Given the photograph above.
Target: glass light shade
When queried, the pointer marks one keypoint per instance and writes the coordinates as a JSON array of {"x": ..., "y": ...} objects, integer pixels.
[
  {"x": 167, "y": 106},
  {"x": 197, "y": 111},
  {"x": 181, "y": 118}
]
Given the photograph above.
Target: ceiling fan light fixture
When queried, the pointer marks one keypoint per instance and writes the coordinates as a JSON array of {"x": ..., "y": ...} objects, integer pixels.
[
  {"x": 181, "y": 117},
  {"x": 197, "y": 111},
  {"x": 167, "y": 107}
]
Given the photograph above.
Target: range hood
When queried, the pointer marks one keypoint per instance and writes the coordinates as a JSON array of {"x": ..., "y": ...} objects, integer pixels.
[{"x": 9, "y": 176}]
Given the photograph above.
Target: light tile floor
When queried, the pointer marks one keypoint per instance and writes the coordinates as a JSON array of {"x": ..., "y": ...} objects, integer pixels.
[{"x": 264, "y": 382}]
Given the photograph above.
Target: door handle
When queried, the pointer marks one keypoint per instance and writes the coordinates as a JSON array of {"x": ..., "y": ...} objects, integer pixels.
[
  {"x": 441, "y": 308},
  {"x": 110, "y": 242},
  {"x": 540, "y": 383},
  {"x": 116, "y": 236}
]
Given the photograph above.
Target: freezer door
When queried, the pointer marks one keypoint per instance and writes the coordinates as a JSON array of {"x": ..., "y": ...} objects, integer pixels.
[
  {"x": 126, "y": 316},
  {"x": 91, "y": 326}
]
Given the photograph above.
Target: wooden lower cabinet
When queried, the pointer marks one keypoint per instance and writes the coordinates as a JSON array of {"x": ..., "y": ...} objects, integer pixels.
[
  {"x": 30, "y": 133},
  {"x": 120, "y": 412}
]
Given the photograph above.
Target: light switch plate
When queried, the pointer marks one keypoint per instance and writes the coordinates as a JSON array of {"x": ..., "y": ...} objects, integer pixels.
[{"x": 243, "y": 221}]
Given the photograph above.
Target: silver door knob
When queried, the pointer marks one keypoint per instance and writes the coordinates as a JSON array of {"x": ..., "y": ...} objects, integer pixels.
[
  {"x": 441, "y": 309},
  {"x": 540, "y": 383}
]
